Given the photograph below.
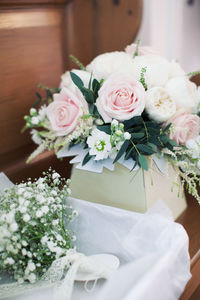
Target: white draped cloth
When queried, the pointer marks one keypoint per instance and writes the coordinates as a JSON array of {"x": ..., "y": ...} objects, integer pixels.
[{"x": 151, "y": 247}]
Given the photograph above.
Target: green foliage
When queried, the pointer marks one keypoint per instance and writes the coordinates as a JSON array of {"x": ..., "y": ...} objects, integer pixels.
[
  {"x": 136, "y": 53},
  {"x": 89, "y": 94},
  {"x": 142, "y": 78},
  {"x": 77, "y": 62},
  {"x": 147, "y": 138},
  {"x": 86, "y": 159}
]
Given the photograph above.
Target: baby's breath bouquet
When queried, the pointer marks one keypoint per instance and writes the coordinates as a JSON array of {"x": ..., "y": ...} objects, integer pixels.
[{"x": 34, "y": 232}]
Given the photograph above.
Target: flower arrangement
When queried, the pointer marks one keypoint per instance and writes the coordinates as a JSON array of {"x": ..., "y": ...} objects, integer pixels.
[
  {"x": 125, "y": 105},
  {"x": 34, "y": 232}
]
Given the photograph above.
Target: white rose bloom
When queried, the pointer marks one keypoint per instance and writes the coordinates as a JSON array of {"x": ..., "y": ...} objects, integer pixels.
[
  {"x": 183, "y": 92},
  {"x": 159, "y": 106},
  {"x": 105, "y": 64},
  {"x": 99, "y": 144},
  {"x": 175, "y": 69},
  {"x": 157, "y": 69}
]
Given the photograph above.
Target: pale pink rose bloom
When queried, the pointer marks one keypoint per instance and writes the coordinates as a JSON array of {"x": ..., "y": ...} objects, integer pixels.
[
  {"x": 186, "y": 127},
  {"x": 130, "y": 49},
  {"x": 121, "y": 97},
  {"x": 64, "y": 112}
]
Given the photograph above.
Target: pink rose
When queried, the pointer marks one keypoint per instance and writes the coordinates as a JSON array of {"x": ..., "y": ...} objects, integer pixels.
[
  {"x": 130, "y": 49},
  {"x": 186, "y": 127},
  {"x": 64, "y": 112},
  {"x": 121, "y": 97}
]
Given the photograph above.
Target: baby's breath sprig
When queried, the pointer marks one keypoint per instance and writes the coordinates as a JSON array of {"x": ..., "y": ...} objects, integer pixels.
[{"x": 34, "y": 218}]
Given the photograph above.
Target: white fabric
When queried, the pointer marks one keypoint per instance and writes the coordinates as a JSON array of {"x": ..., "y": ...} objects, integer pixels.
[{"x": 153, "y": 251}]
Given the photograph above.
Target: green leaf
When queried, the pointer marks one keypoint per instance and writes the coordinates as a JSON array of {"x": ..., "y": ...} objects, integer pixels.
[
  {"x": 121, "y": 150},
  {"x": 164, "y": 138},
  {"x": 101, "y": 81},
  {"x": 105, "y": 128},
  {"x": 88, "y": 94},
  {"x": 173, "y": 143},
  {"x": 143, "y": 162},
  {"x": 86, "y": 159},
  {"x": 76, "y": 80},
  {"x": 138, "y": 135},
  {"x": 133, "y": 122},
  {"x": 145, "y": 149},
  {"x": 95, "y": 86},
  {"x": 129, "y": 153},
  {"x": 92, "y": 109},
  {"x": 89, "y": 86}
]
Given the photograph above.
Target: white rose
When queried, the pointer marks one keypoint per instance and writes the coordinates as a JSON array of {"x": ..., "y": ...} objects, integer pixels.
[
  {"x": 66, "y": 81},
  {"x": 105, "y": 64},
  {"x": 157, "y": 69},
  {"x": 159, "y": 106},
  {"x": 183, "y": 92},
  {"x": 175, "y": 69}
]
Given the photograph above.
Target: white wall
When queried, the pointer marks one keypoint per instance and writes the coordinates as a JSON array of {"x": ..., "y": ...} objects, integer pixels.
[{"x": 173, "y": 28}]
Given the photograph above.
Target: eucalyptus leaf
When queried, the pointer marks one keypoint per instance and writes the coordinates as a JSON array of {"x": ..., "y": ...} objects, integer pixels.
[
  {"x": 76, "y": 80},
  {"x": 143, "y": 162},
  {"x": 86, "y": 159},
  {"x": 122, "y": 150}
]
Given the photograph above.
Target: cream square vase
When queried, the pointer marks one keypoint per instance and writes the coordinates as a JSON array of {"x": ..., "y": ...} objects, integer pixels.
[{"x": 132, "y": 190}]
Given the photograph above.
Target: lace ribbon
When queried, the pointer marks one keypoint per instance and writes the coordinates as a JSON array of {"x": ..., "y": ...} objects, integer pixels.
[{"x": 61, "y": 275}]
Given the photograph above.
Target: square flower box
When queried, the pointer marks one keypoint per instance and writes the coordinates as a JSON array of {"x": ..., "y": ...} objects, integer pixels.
[{"x": 132, "y": 190}]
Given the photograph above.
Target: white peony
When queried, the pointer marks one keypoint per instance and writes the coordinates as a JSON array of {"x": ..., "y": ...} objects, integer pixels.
[
  {"x": 99, "y": 144},
  {"x": 183, "y": 92},
  {"x": 157, "y": 69},
  {"x": 159, "y": 106},
  {"x": 175, "y": 69},
  {"x": 105, "y": 64},
  {"x": 66, "y": 81}
]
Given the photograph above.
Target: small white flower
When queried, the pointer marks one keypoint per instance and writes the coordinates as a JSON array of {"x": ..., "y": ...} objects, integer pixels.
[
  {"x": 31, "y": 266},
  {"x": 13, "y": 227},
  {"x": 55, "y": 175},
  {"x": 127, "y": 135},
  {"x": 26, "y": 203},
  {"x": 99, "y": 144},
  {"x": 24, "y": 243},
  {"x": 44, "y": 239},
  {"x": 41, "y": 186},
  {"x": 114, "y": 123},
  {"x": 9, "y": 261},
  {"x": 54, "y": 193},
  {"x": 24, "y": 252},
  {"x": 33, "y": 111},
  {"x": 23, "y": 209},
  {"x": 35, "y": 120},
  {"x": 20, "y": 280},
  {"x": 27, "y": 195},
  {"x": 26, "y": 217},
  {"x": 73, "y": 238},
  {"x": 29, "y": 254},
  {"x": 39, "y": 214},
  {"x": 40, "y": 198},
  {"x": 10, "y": 217},
  {"x": 32, "y": 278},
  {"x": 45, "y": 209},
  {"x": 20, "y": 191},
  {"x": 118, "y": 132},
  {"x": 59, "y": 237},
  {"x": 55, "y": 222}
]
